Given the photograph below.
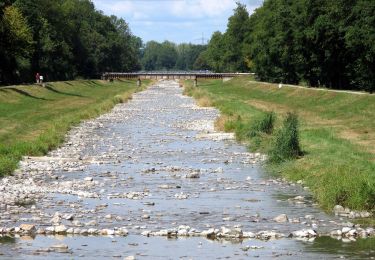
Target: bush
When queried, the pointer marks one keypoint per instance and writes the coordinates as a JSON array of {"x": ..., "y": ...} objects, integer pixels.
[
  {"x": 263, "y": 125},
  {"x": 286, "y": 144}
]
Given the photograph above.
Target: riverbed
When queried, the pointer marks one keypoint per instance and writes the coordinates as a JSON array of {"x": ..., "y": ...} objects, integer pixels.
[{"x": 154, "y": 179}]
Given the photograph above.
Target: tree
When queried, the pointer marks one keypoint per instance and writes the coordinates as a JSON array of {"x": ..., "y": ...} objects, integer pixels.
[
  {"x": 233, "y": 39},
  {"x": 16, "y": 44},
  {"x": 68, "y": 39},
  {"x": 360, "y": 39},
  {"x": 215, "y": 52}
]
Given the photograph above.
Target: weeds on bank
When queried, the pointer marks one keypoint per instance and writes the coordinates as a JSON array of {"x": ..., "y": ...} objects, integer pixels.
[
  {"x": 286, "y": 144},
  {"x": 265, "y": 124},
  {"x": 337, "y": 168},
  {"x": 122, "y": 98}
]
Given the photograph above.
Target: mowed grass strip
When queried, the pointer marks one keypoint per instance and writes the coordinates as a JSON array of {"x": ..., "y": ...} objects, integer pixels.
[
  {"x": 337, "y": 135},
  {"x": 35, "y": 119}
]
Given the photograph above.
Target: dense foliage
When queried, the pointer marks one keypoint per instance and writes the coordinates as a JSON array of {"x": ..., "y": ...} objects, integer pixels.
[
  {"x": 313, "y": 42},
  {"x": 310, "y": 42},
  {"x": 170, "y": 56},
  {"x": 62, "y": 39}
]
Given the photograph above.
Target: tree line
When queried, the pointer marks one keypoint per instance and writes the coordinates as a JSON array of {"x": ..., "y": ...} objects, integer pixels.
[
  {"x": 311, "y": 42},
  {"x": 170, "y": 56},
  {"x": 62, "y": 39}
]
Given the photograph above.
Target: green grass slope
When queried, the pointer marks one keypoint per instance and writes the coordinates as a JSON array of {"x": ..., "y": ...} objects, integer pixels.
[
  {"x": 35, "y": 119},
  {"x": 337, "y": 134}
]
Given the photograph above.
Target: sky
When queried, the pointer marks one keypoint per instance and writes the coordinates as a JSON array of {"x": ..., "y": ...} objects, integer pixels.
[{"x": 174, "y": 20}]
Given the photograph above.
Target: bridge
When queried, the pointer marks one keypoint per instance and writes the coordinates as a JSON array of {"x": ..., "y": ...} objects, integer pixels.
[{"x": 171, "y": 75}]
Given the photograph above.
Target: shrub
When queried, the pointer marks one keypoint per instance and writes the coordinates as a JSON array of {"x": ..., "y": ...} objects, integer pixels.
[
  {"x": 263, "y": 125},
  {"x": 286, "y": 144}
]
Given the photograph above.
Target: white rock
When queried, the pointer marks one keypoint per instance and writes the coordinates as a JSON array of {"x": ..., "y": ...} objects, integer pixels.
[
  {"x": 248, "y": 235},
  {"x": 304, "y": 233},
  {"x": 281, "y": 218},
  {"x": 59, "y": 246},
  {"x": 182, "y": 232},
  {"x": 92, "y": 223},
  {"x": 60, "y": 229},
  {"x": 146, "y": 233},
  {"x": 29, "y": 228},
  {"x": 50, "y": 229},
  {"x": 110, "y": 232},
  {"x": 146, "y": 216},
  {"x": 338, "y": 209},
  {"x": 68, "y": 216},
  {"x": 92, "y": 231},
  {"x": 300, "y": 198},
  {"x": 351, "y": 233}
]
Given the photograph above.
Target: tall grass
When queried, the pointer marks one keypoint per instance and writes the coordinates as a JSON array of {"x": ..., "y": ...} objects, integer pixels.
[
  {"x": 286, "y": 144},
  {"x": 265, "y": 124},
  {"x": 336, "y": 131}
]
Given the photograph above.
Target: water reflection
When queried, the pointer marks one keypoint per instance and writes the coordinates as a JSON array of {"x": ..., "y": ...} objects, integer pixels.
[
  {"x": 356, "y": 249},
  {"x": 7, "y": 240}
]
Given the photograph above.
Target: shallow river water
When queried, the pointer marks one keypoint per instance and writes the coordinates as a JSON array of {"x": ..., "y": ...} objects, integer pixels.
[{"x": 156, "y": 163}]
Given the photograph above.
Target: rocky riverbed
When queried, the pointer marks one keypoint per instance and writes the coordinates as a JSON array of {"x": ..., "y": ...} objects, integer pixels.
[{"x": 153, "y": 174}]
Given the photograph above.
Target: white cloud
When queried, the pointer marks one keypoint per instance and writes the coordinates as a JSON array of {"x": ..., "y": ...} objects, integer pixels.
[
  {"x": 139, "y": 9},
  {"x": 201, "y": 8},
  {"x": 115, "y": 7},
  {"x": 177, "y": 20}
]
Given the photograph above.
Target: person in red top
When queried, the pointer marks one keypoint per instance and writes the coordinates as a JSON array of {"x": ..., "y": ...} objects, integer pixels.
[{"x": 37, "y": 77}]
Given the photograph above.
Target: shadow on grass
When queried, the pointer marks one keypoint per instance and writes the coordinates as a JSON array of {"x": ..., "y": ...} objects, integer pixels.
[
  {"x": 50, "y": 88},
  {"x": 126, "y": 80},
  {"x": 24, "y": 93},
  {"x": 90, "y": 83}
]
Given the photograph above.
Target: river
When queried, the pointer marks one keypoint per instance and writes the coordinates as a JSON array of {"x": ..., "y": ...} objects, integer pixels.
[{"x": 152, "y": 179}]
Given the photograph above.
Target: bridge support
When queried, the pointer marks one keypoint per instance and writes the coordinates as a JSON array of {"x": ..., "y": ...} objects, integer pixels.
[
  {"x": 139, "y": 82},
  {"x": 171, "y": 75}
]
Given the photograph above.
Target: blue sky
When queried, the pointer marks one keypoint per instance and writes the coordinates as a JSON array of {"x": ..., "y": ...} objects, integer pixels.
[{"x": 174, "y": 20}]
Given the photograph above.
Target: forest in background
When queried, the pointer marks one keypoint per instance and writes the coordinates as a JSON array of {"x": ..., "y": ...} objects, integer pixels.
[
  {"x": 171, "y": 56},
  {"x": 316, "y": 43},
  {"x": 311, "y": 42},
  {"x": 62, "y": 39}
]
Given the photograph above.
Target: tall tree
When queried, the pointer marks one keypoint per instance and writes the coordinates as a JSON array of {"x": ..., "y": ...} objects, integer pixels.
[
  {"x": 62, "y": 39},
  {"x": 360, "y": 39},
  {"x": 15, "y": 46},
  {"x": 234, "y": 37}
]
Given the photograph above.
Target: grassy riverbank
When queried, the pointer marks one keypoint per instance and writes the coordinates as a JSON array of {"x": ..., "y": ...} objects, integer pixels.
[
  {"x": 35, "y": 119},
  {"x": 337, "y": 134}
]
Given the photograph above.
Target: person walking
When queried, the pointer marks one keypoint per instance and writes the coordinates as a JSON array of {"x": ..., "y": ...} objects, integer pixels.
[{"x": 37, "y": 77}]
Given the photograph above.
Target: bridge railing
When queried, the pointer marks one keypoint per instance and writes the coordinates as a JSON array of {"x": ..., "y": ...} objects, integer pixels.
[{"x": 168, "y": 75}]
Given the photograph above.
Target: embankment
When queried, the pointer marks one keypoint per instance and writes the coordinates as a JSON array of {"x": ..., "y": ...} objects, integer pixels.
[
  {"x": 34, "y": 119},
  {"x": 337, "y": 135}
]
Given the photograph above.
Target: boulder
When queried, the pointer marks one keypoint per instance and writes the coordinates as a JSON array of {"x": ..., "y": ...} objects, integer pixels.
[
  {"x": 281, "y": 218},
  {"x": 28, "y": 228}
]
